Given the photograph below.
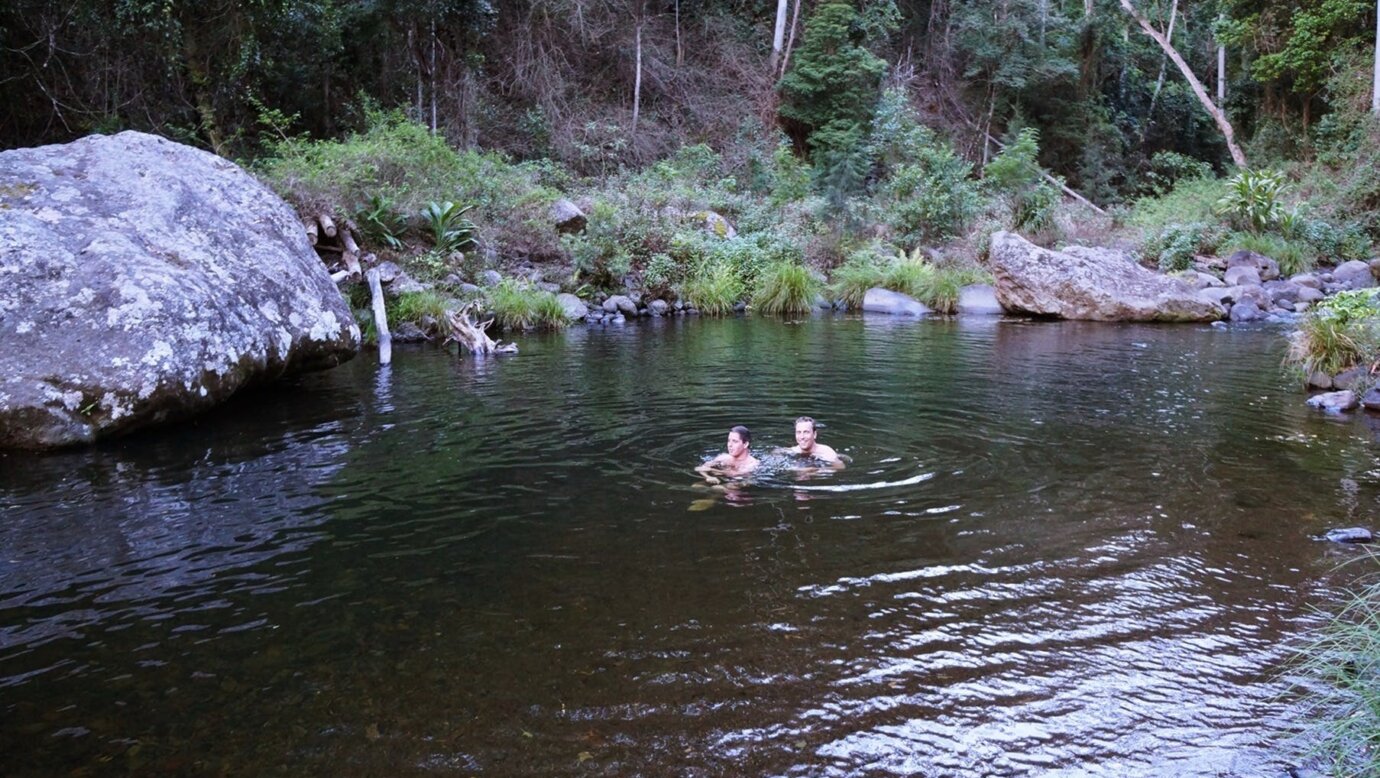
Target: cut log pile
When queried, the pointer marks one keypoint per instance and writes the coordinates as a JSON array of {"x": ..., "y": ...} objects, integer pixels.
[{"x": 337, "y": 244}]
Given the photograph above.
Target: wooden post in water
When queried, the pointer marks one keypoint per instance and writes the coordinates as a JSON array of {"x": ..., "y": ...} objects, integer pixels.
[{"x": 380, "y": 318}]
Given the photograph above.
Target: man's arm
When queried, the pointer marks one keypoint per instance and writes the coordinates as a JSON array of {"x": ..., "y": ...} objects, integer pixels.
[{"x": 828, "y": 456}]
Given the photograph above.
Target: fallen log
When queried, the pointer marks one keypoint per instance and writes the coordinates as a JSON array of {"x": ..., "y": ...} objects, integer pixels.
[
  {"x": 310, "y": 226},
  {"x": 327, "y": 224},
  {"x": 380, "y": 318},
  {"x": 473, "y": 336}
]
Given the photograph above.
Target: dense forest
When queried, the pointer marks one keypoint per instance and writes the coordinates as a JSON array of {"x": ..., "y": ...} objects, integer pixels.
[{"x": 597, "y": 84}]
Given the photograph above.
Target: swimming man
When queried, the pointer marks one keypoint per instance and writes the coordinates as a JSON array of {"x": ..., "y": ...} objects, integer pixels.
[
  {"x": 739, "y": 460},
  {"x": 807, "y": 444}
]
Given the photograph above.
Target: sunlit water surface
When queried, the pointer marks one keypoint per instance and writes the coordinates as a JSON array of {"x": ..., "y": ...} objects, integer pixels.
[{"x": 1061, "y": 549}]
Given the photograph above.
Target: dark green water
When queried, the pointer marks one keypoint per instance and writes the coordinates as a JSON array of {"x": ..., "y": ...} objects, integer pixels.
[{"x": 1062, "y": 549}]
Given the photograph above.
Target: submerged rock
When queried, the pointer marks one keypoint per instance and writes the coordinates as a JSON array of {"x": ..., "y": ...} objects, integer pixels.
[
  {"x": 1090, "y": 284},
  {"x": 142, "y": 281},
  {"x": 878, "y": 300},
  {"x": 1333, "y": 402},
  {"x": 1349, "y": 535},
  {"x": 979, "y": 300}
]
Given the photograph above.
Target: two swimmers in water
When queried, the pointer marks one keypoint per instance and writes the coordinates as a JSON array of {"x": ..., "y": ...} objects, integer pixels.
[{"x": 738, "y": 461}]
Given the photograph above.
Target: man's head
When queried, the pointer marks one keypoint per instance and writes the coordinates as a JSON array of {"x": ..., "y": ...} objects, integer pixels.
[
  {"x": 805, "y": 434},
  {"x": 739, "y": 440}
]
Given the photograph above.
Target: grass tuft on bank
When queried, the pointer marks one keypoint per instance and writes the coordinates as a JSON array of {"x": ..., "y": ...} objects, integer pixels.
[
  {"x": 1342, "y": 663},
  {"x": 519, "y": 306}
]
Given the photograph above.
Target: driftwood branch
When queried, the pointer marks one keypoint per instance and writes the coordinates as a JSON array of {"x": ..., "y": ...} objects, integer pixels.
[
  {"x": 380, "y": 318},
  {"x": 472, "y": 335},
  {"x": 310, "y": 227},
  {"x": 327, "y": 224}
]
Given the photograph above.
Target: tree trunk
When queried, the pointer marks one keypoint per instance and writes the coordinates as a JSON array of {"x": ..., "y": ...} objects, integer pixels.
[
  {"x": 1375, "y": 82},
  {"x": 432, "y": 76},
  {"x": 1164, "y": 61},
  {"x": 778, "y": 36},
  {"x": 637, "y": 81},
  {"x": 380, "y": 318},
  {"x": 1223, "y": 124},
  {"x": 680, "y": 52},
  {"x": 790, "y": 41}
]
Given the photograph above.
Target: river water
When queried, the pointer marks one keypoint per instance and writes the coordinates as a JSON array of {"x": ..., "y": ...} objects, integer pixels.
[{"x": 1061, "y": 549}]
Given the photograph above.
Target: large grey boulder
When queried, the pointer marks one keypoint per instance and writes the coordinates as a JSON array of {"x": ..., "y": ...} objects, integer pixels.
[
  {"x": 1354, "y": 274},
  {"x": 979, "y": 300},
  {"x": 1088, "y": 284},
  {"x": 879, "y": 300},
  {"x": 142, "y": 281},
  {"x": 575, "y": 308},
  {"x": 1266, "y": 268},
  {"x": 567, "y": 217},
  {"x": 1241, "y": 275}
]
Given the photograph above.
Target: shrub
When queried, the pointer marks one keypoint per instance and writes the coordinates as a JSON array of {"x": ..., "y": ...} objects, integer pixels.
[
  {"x": 417, "y": 307},
  {"x": 1186, "y": 203},
  {"x": 1173, "y": 246},
  {"x": 449, "y": 229},
  {"x": 1254, "y": 199},
  {"x": 714, "y": 289},
  {"x": 933, "y": 198},
  {"x": 785, "y": 288},
  {"x": 852, "y": 279},
  {"x": 1341, "y": 332},
  {"x": 1168, "y": 168},
  {"x": 381, "y": 222},
  {"x": 518, "y": 306},
  {"x": 909, "y": 275}
]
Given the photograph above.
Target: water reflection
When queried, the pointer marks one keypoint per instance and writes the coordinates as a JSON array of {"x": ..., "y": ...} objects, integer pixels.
[{"x": 1059, "y": 549}]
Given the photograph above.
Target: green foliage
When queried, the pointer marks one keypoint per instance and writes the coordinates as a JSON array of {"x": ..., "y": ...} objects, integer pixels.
[
  {"x": 1015, "y": 176},
  {"x": 1173, "y": 246},
  {"x": 449, "y": 229},
  {"x": 790, "y": 176},
  {"x": 519, "y": 306},
  {"x": 928, "y": 193},
  {"x": 714, "y": 289},
  {"x": 661, "y": 274},
  {"x": 863, "y": 270},
  {"x": 909, "y": 275},
  {"x": 1168, "y": 168},
  {"x": 1016, "y": 167},
  {"x": 1188, "y": 202},
  {"x": 1340, "y": 332},
  {"x": 1342, "y": 664},
  {"x": 421, "y": 308},
  {"x": 1319, "y": 31},
  {"x": 1254, "y": 199},
  {"x": 833, "y": 81},
  {"x": 784, "y": 288},
  {"x": 381, "y": 222},
  {"x": 1293, "y": 256}
]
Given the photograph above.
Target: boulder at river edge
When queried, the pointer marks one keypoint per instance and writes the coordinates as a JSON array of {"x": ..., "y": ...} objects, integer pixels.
[
  {"x": 878, "y": 300},
  {"x": 141, "y": 281},
  {"x": 1090, "y": 284}
]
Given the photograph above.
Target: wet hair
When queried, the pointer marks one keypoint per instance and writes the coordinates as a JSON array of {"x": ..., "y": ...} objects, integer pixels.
[
  {"x": 744, "y": 434},
  {"x": 807, "y": 420}
]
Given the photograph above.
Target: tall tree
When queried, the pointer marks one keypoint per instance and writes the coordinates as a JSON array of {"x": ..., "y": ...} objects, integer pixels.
[{"x": 1218, "y": 115}]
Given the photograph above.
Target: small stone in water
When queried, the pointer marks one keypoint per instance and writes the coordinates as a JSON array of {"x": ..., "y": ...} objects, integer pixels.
[{"x": 1349, "y": 535}]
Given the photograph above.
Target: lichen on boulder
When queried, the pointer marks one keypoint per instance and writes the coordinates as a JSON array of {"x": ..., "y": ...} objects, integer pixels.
[{"x": 142, "y": 281}]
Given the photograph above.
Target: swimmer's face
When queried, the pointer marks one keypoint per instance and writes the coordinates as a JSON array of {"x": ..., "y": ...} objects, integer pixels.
[
  {"x": 736, "y": 446},
  {"x": 805, "y": 436}
]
